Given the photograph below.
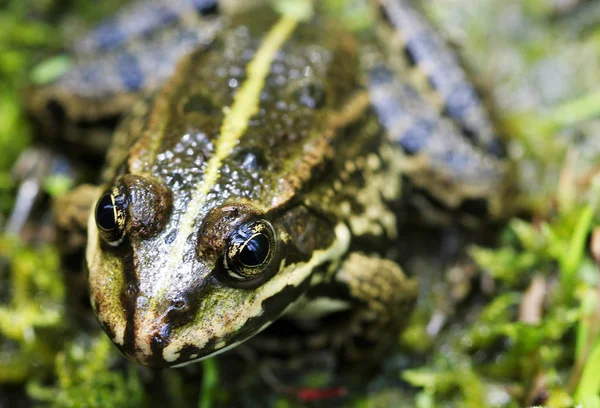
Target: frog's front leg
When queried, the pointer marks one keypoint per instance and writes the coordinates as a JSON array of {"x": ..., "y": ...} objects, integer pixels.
[{"x": 384, "y": 298}]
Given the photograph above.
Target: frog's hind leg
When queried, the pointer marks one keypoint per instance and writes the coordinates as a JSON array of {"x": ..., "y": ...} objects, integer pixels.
[
  {"x": 447, "y": 146},
  {"x": 434, "y": 155},
  {"x": 142, "y": 19},
  {"x": 440, "y": 69},
  {"x": 127, "y": 56}
]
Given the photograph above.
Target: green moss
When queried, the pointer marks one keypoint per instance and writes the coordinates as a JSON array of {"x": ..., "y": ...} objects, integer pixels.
[
  {"x": 441, "y": 383},
  {"x": 84, "y": 378},
  {"x": 32, "y": 314}
]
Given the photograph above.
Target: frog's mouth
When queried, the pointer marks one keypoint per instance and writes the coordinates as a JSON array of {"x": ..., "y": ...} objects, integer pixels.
[{"x": 173, "y": 339}]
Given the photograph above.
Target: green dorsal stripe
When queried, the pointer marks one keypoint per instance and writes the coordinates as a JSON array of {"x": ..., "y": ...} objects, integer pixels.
[{"x": 235, "y": 122}]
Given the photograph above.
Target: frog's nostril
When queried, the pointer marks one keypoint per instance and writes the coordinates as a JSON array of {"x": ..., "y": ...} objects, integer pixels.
[
  {"x": 181, "y": 311},
  {"x": 179, "y": 304}
]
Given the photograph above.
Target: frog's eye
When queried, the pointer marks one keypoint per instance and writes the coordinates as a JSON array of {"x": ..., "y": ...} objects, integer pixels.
[
  {"x": 248, "y": 253},
  {"x": 135, "y": 206},
  {"x": 110, "y": 216}
]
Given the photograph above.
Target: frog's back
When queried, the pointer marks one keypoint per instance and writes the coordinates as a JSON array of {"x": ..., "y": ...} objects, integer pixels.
[
  {"x": 243, "y": 129},
  {"x": 297, "y": 101}
]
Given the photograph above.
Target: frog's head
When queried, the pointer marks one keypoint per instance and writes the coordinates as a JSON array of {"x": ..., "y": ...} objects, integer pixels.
[
  {"x": 204, "y": 235},
  {"x": 168, "y": 299}
]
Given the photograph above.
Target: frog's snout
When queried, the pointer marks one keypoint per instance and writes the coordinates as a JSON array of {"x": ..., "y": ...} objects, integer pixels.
[{"x": 152, "y": 334}]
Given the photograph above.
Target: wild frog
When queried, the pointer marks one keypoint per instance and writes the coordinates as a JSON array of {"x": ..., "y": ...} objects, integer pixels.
[{"x": 263, "y": 169}]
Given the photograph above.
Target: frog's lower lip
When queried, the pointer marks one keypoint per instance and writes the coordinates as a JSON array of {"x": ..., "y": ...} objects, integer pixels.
[
  {"x": 139, "y": 353},
  {"x": 150, "y": 347},
  {"x": 146, "y": 347},
  {"x": 156, "y": 357}
]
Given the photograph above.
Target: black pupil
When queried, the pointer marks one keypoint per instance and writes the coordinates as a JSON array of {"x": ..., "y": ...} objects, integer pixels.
[
  {"x": 255, "y": 251},
  {"x": 105, "y": 214}
]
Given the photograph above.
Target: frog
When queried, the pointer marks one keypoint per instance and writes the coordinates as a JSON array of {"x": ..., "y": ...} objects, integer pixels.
[{"x": 262, "y": 165}]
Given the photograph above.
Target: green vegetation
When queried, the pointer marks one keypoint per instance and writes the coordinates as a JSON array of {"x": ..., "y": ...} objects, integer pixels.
[
  {"x": 521, "y": 316},
  {"x": 84, "y": 378},
  {"x": 33, "y": 313}
]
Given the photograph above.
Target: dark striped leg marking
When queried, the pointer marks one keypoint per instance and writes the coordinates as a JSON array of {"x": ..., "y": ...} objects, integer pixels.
[
  {"x": 425, "y": 48},
  {"x": 438, "y": 156},
  {"x": 141, "y": 19}
]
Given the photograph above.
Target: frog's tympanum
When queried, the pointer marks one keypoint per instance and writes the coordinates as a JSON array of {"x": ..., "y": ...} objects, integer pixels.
[{"x": 263, "y": 169}]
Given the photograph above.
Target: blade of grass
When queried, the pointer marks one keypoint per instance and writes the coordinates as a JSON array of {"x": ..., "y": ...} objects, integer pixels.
[
  {"x": 570, "y": 261},
  {"x": 588, "y": 388},
  {"x": 209, "y": 382},
  {"x": 577, "y": 110},
  {"x": 588, "y": 306}
]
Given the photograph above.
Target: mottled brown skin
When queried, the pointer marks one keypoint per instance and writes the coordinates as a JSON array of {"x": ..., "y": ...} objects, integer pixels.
[
  {"x": 318, "y": 172},
  {"x": 265, "y": 176}
]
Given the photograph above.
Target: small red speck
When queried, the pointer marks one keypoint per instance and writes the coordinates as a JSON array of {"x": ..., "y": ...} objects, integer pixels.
[{"x": 317, "y": 394}]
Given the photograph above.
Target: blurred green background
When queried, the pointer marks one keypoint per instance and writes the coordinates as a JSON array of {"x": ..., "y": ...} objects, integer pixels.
[{"x": 521, "y": 317}]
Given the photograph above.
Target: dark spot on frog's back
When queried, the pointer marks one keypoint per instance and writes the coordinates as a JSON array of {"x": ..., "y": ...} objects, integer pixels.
[
  {"x": 410, "y": 56},
  {"x": 311, "y": 96},
  {"x": 130, "y": 72},
  {"x": 251, "y": 159},
  {"x": 199, "y": 103},
  {"x": 171, "y": 236},
  {"x": 108, "y": 36},
  {"x": 383, "y": 14},
  {"x": 460, "y": 100},
  {"x": 497, "y": 149}
]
